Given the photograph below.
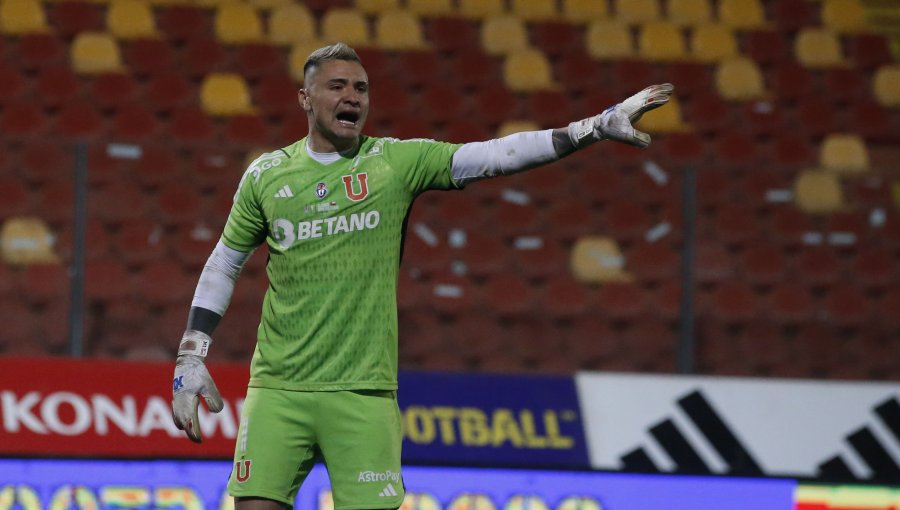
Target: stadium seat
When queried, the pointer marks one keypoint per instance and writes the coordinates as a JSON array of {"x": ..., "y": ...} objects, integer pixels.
[
  {"x": 689, "y": 12},
  {"x": 873, "y": 267},
  {"x": 94, "y": 53},
  {"x": 107, "y": 280},
  {"x": 661, "y": 41},
  {"x": 814, "y": 117},
  {"x": 664, "y": 120},
  {"x": 844, "y": 153},
  {"x": 376, "y": 6},
  {"x": 164, "y": 282},
  {"x": 266, "y": 6},
  {"x": 508, "y": 295},
  {"x": 818, "y": 192},
  {"x": 790, "y": 16},
  {"x": 742, "y": 14},
  {"x": 255, "y": 60},
  {"x": 140, "y": 241},
  {"x": 556, "y": 38},
  {"x": 609, "y": 39},
  {"x": 868, "y": 51},
  {"x": 291, "y": 23},
  {"x": 347, "y": 25},
  {"x": 818, "y": 48},
  {"x": 737, "y": 224},
  {"x": 183, "y": 22},
  {"x": 731, "y": 302},
  {"x": 564, "y": 298},
  {"x": 767, "y": 47},
  {"x": 531, "y": 11},
  {"x": 145, "y": 57},
  {"x": 636, "y": 12},
  {"x": 598, "y": 260},
  {"x": 23, "y": 120},
  {"x": 27, "y": 240},
  {"x": 225, "y": 94},
  {"x": 789, "y": 224},
  {"x": 80, "y": 120},
  {"x": 69, "y": 18},
  {"x": 712, "y": 263},
  {"x": 846, "y": 305},
  {"x": 739, "y": 79},
  {"x": 481, "y": 9},
  {"x": 546, "y": 259},
  {"x": 763, "y": 264},
  {"x": 503, "y": 35},
  {"x": 583, "y": 11},
  {"x": 652, "y": 262},
  {"x": 57, "y": 85},
  {"x": 12, "y": 84},
  {"x": 452, "y": 294},
  {"x": 237, "y": 23},
  {"x": 18, "y": 17},
  {"x": 134, "y": 122},
  {"x": 398, "y": 30},
  {"x": 191, "y": 124},
  {"x": 845, "y": 85},
  {"x": 713, "y": 42},
  {"x": 169, "y": 89},
  {"x": 430, "y": 8},
  {"x": 790, "y": 303},
  {"x": 40, "y": 50},
  {"x": 114, "y": 90},
  {"x": 844, "y": 16},
  {"x": 622, "y": 301},
  {"x": 886, "y": 85},
  {"x": 452, "y": 34},
  {"x": 819, "y": 266},
  {"x": 528, "y": 70},
  {"x": 131, "y": 19}
]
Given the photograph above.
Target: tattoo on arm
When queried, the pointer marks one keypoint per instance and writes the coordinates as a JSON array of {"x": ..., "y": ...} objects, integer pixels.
[
  {"x": 201, "y": 319},
  {"x": 562, "y": 143}
]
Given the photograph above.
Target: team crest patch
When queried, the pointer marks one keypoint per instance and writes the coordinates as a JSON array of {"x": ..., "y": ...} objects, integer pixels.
[
  {"x": 242, "y": 470},
  {"x": 321, "y": 190}
]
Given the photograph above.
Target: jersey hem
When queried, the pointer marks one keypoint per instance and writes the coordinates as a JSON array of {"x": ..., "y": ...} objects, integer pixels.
[
  {"x": 389, "y": 503},
  {"x": 262, "y": 494},
  {"x": 281, "y": 385}
]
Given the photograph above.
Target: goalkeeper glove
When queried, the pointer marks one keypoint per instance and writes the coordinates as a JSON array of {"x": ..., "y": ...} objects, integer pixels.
[
  {"x": 615, "y": 123},
  {"x": 192, "y": 380}
]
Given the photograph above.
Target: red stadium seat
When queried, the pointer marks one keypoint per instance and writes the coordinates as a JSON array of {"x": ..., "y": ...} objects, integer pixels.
[
  {"x": 873, "y": 267},
  {"x": 650, "y": 344},
  {"x": 495, "y": 104},
  {"x": 140, "y": 241},
  {"x": 846, "y": 305},
  {"x": 80, "y": 120},
  {"x": 452, "y": 294},
  {"x": 203, "y": 56},
  {"x": 552, "y": 107},
  {"x": 712, "y": 263},
  {"x": 732, "y": 301},
  {"x": 623, "y": 301},
  {"x": 626, "y": 220},
  {"x": 791, "y": 303},
  {"x": 465, "y": 131},
  {"x": 69, "y": 18},
  {"x": 652, "y": 262},
  {"x": 793, "y": 15},
  {"x": 192, "y": 244},
  {"x": 15, "y": 198},
  {"x": 868, "y": 50},
  {"x": 135, "y": 122},
  {"x": 763, "y": 264},
  {"x": 845, "y": 85},
  {"x": 547, "y": 260},
  {"x": 118, "y": 202},
  {"x": 693, "y": 79},
  {"x": 564, "y": 297},
  {"x": 97, "y": 241},
  {"x": 247, "y": 131},
  {"x": 452, "y": 35},
  {"x": 114, "y": 90},
  {"x": 631, "y": 76},
  {"x": 177, "y": 204},
  {"x": 737, "y": 224},
  {"x": 591, "y": 341},
  {"x": 476, "y": 337},
  {"x": 439, "y": 102},
  {"x": 12, "y": 84},
  {"x": 421, "y": 69},
  {"x": 684, "y": 149},
  {"x": 164, "y": 282},
  {"x": 37, "y": 51},
  {"x": 512, "y": 219},
  {"x": 158, "y": 164},
  {"x": 148, "y": 57},
  {"x": 484, "y": 255},
  {"x": 56, "y": 201},
  {"x": 107, "y": 280},
  {"x": 418, "y": 255},
  {"x": 254, "y": 61},
  {"x": 555, "y": 38},
  {"x": 276, "y": 94},
  {"x": 818, "y": 266},
  {"x": 169, "y": 89},
  {"x": 567, "y": 221},
  {"x": 767, "y": 47},
  {"x": 666, "y": 300},
  {"x": 410, "y": 291},
  {"x": 815, "y": 117},
  {"x": 191, "y": 124},
  {"x": 183, "y": 22},
  {"x": 788, "y": 225},
  {"x": 23, "y": 120},
  {"x": 791, "y": 81},
  {"x": 508, "y": 294},
  {"x": 44, "y": 283},
  {"x": 709, "y": 114},
  {"x": 598, "y": 184}
]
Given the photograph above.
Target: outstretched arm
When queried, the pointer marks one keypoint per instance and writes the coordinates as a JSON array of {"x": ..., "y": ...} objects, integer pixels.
[{"x": 521, "y": 151}]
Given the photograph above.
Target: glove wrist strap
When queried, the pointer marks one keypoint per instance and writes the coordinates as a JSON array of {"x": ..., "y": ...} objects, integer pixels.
[
  {"x": 582, "y": 133},
  {"x": 194, "y": 342}
]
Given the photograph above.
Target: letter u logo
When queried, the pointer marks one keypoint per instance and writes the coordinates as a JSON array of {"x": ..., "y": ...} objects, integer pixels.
[
  {"x": 242, "y": 470},
  {"x": 363, "y": 187}
]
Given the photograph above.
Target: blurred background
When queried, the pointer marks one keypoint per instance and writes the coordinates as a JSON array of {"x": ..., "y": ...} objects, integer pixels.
[{"x": 786, "y": 121}]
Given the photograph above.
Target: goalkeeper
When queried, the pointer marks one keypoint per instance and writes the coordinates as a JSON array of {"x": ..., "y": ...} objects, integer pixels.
[{"x": 331, "y": 209}]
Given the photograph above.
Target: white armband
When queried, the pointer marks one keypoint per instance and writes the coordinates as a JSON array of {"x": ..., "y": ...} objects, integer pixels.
[
  {"x": 218, "y": 278},
  {"x": 502, "y": 156}
]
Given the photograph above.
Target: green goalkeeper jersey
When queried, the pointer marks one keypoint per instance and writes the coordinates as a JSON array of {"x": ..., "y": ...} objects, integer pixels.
[{"x": 334, "y": 234}]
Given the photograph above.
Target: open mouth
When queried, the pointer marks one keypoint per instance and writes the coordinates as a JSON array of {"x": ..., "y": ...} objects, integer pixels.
[{"x": 348, "y": 119}]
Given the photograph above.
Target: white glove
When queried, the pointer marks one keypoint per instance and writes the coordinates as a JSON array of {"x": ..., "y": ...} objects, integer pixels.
[
  {"x": 192, "y": 380},
  {"x": 615, "y": 123}
]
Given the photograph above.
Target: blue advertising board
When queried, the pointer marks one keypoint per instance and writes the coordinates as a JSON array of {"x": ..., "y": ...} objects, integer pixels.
[
  {"x": 491, "y": 420},
  {"x": 39, "y": 484}
]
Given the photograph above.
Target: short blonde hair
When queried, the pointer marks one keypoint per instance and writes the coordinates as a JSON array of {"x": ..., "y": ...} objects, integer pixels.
[{"x": 336, "y": 51}]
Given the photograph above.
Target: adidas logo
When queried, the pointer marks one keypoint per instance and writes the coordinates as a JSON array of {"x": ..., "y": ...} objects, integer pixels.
[
  {"x": 388, "y": 491},
  {"x": 284, "y": 192}
]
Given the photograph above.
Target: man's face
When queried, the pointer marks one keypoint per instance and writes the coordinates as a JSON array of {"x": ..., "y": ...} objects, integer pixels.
[{"x": 336, "y": 98}]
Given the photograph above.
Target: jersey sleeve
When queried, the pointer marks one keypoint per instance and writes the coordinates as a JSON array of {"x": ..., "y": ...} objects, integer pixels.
[
  {"x": 424, "y": 164},
  {"x": 245, "y": 228}
]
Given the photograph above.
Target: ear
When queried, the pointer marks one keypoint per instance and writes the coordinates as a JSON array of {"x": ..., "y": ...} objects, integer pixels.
[{"x": 303, "y": 99}]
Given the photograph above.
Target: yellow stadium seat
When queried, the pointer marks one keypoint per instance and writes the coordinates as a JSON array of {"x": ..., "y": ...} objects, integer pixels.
[
  {"x": 742, "y": 14},
  {"x": 225, "y": 94},
  {"x": 503, "y": 34},
  {"x": 481, "y": 9},
  {"x": 517, "y": 126},
  {"x": 664, "y": 120},
  {"x": 598, "y": 259},
  {"x": 844, "y": 16},
  {"x": 399, "y": 30},
  {"x": 270, "y": 5},
  {"x": 291, "y": 23},
  {"x": 238, "y": 23},
  {"x": 689, "y": 12},
  {"x": 661, "y": 41},
  {"x": 818, "y": 48},
  {"x": 376, "y": 6},
  {"x": 27, "y": 240},
  {"x": 531, "y": 10},
  {"x": 713, "y": 42},
  {"x": 886, "y": 85},
  {"x": 299, "y": 53},
  {"x": 739, "y": 79},
  {"x": 18, "y": 17},
  {"x": 635, "y": 12},
  {"x": 94, "y": 53},
  {"x": 584, "y": 11},
  {"x": 430, "y": 7},
  {"x": 844, "y": 153},
  {"x": 609, "y": 39},
  {"x": 527, "y": 70},
  {"x": 130, "y": 19},
  {"x": 818, "y": 192},
  {"x": 347, "y": 25}
]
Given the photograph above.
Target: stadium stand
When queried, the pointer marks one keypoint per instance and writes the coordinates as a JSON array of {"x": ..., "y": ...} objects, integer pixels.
[{"x": 788, "y": 110}]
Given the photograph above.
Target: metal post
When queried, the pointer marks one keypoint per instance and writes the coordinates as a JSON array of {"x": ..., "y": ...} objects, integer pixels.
[
  {"x": 686, "y": 339},
  {"x": 76, "y": 271}
]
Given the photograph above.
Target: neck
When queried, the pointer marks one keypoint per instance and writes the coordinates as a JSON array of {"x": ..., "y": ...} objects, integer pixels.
[{"x": 319, "y": 143}]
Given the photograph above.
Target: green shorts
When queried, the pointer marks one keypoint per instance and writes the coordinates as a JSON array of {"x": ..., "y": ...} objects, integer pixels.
[{"x": 283, "y": 432}]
